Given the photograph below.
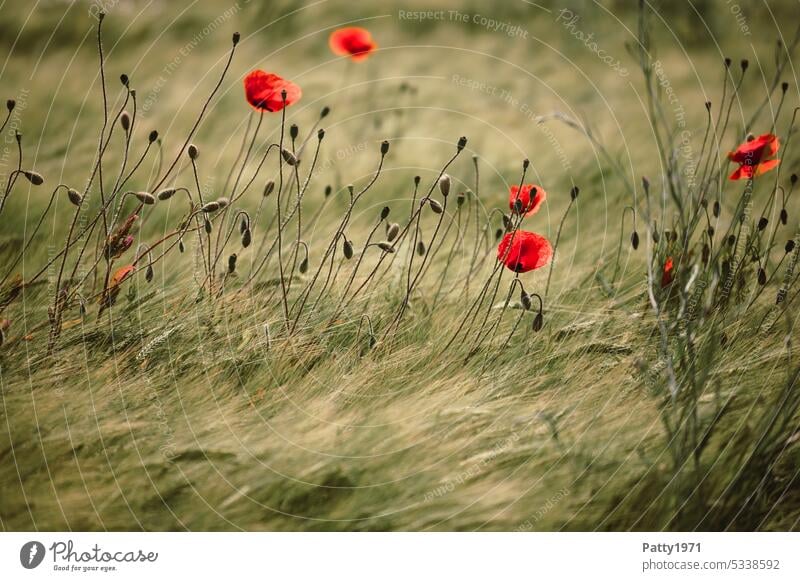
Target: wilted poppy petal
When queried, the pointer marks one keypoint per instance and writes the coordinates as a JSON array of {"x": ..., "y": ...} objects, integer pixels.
[
  {"x": 529, "y": 206},
  {"x": 263, "y": 91},
  {"x": 523, "y": 251},
  {"x": 353, "y": 41}
]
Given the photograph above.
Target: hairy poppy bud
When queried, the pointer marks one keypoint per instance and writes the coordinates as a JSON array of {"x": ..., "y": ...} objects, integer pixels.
[
  {"x": 207, "y": 225},
  {"x": 193, "y": 151},
  {"x": 294, "y": 131},
  {"x": 320, "y": 134},
  {"x": 435, "y": 206},
  {"x": 210, "y": 207},
  {"x": 762, "y": 223},
  {"x": 384, "y": 147},
  {"x": 166, "y": 194},
  {"x": 716, "y": 209},
  {"x": 727, "y": 62},
  {"x": 145, "y": 198},
  {"x": 525, "y": 299},
  {"x": 744, "y": 64},
  {"x": 232, "y": 263},
  {"x": 385, "y": 212},
  {"x": 10, "y": 104},
  {"x": 153, "y": 136},
  {"x": 460, "y": 199},
  {"x": 247, "y": 237},
  {"x": 243, "y": 225},
  {"x": 784, "y": 86},
  {"x": 731, "y": 240},
  {"x": 386, "y": 247},
  {"x": 148, "y": 274},
  {"x": 526, "y": 163},
  {"x": 392, "y": 231},
  {"x": 444, "y": 185},
  {"x": 223, "y": 202},
  {"x": 462, "y": 143},
  {"x": 498, "y": 234},
  {"x": 123, "y": 78},
  {"x": 235, "y": 38},
  {"x": 125, "y": 121},
  {"x": 328, "y": 190},
  {"x": 789, "y": 246},
  {"x": 784, "y": 216},
  {"x": 538, "y": 322},
  {"x": 74, "y": 197},
  {"x": 303, "y": 266},
  {"x": 762, "y": 277},
  {"x": 506, "y": 222},
  {"x": 325, "y": 111},
  {"x": 417, "y": 180},
  {"x": 34, "y": 177},
  {"x": 635, "y": 240},
  {"x": 573, "y": 193},
  {"x": 517, "y": 206},
  {"x": 268, "y": 188},
  {"x": 347, "y": 249},
  {"x": 289, "y": 157}
]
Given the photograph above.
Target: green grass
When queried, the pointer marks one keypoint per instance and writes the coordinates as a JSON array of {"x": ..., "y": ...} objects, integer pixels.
[{"x": 171, "y": 411}]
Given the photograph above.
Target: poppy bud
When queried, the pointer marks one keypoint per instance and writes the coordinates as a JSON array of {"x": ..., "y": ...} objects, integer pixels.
[
  {"x": 731, "y": 240},
  {"x": 232, "y": 263},
  {"x": 444, "y": 185},
  {"x": 223, "y": 202},
  {"x": 416, "y": 180},
  {"x": 384, "y": 147},
  {"x": 324, "y": 113},
  {"x": 386, "y": 247},
  {"x": 525, "y": 164},
  {"x": 125, "y": 121},
  {"x": 207, "y": 225},
  {"x": 784, "y": 216},
  {"x": 34, "y": 177},
  {"x": 235, "y": 38},
  {"x": 710, "y": 230},
  {"x": 181, "y": 247},
  {"x": 498, "y": 234},
  {"x": 10, "y": 104},
  {"x": 793, "y": 178},
  {"x": 435, "y": 206},
  {"x": 744, "y": 64},
  {"x": 148, "y": 274},
  {"x": 421, "y": 248},
  {"x": 789, "y": 246},
  {"x": 762, "y": 223},
  {"x": 462, "y": 143},
  {"x": 784, "y": 86},
  {"x": 166, "y": 194},
  {"x": 210, "y": 207},
  {"x": 145, "y": 198},
  {"x": 573, "y": 193},
  {"x": 74, "y": 197},
  {"x": 303, "y": 266},
  {"x": 635, "y": 240},
  {"x": 460, "y": 199},
  {"x": 667, "y": 235},
  {"x": 716, "y": 209},
  {"x": 518, "y": 206},
  {"x": 762, "y": 277},
  {"x": 320, "y": 134},
  {"x": 673, "y": 236},
  {"x": 393, "y": 231},
  {"x": 708, "y": 105},
  {"x": 193, "y": 152},
  {"x": 727, "y": 62},
  {"x": 268, "y": 188},
  {"x": 656, "y": 236},
  {"x": 123, "y": 78},
  {"x": 538, "y": 322},
  {"x": 243, "y": 225},
  {"x": 247, "y": 237},
  {"x": 328, "y": 190},
  {"x": 385, "y": 212},
  {"x": 153, "y": 136},
  {"x": 525, "y": 299},
  {"x": 294, "y": 130},
  {"x": 289, "y": 157},
  {"x": 506, "y": 221},
  {"x": 347, "y": 249},
  {"x": 284, "y": 94}
]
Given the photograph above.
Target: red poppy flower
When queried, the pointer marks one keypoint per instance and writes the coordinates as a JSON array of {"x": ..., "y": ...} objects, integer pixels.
[
  {"x": 263, "y": 91},
  {"x": 667, "y": 275},
  {"x": 750, "y": 153},
  {"x": 530, "y": 204},
  {"x": 353, "y": 41},
  {"x": 528, "y": 251}
]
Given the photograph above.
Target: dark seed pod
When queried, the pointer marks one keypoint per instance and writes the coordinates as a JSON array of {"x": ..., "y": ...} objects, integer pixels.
[
  {"x": 421, "y": 248},
  {"x": 538, "y": 322},
  {"x": 573, "y": 193},
  {"x": 294, "y": 131},
  {"x": 303, "y": 266},
  {"x": 716, "y": 209},
  {"x": 153, "y": 136},
  {"x": 635, "y": 240},
  {"x": 435, "y": 206},
  {"x": 247, "y": 237},
  {"x": 762, "y": 223},
  {"x": 148, "y": 274},
  {"x": 525, "y": 299},
  {"x": 384, "y": 147},
  {"x": 444, "y": 185},
  {"x": 74, "y": 197},
  {"x": 231, "y": 263},
  {"x": 125, "y": 121},
  {"x": 145, "y": 198},
  {"x": 207, "y": 225},
  {"x": 194, "y": 153},
  {"x": 289, "y": 157},
  {"x": 385, "y": 212},
  {"x": 34, "y": 177},
  {"x": 166, "y": 194},
  {"x": 268, "y": 188},
  {"x": 789, "y": 246},
  {"x": 462, "y": 143},
  {"x": 347, "y": 249},
  {"x": 762, "y": 277},
  {"x": 386, "y": 247},
  {"x": 181, "y": 247},
  {"x": 784, "y": 216},
  {"x": 392, "y": 231}
]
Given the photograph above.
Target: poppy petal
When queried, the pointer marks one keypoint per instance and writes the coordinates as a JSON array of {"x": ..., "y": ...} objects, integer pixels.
[
  {"x": 523, "y": 251},
  {"x": 529, "y": 207},
  {"x": 352, "y": 41},
  {"x": 264, "y": 91}
]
